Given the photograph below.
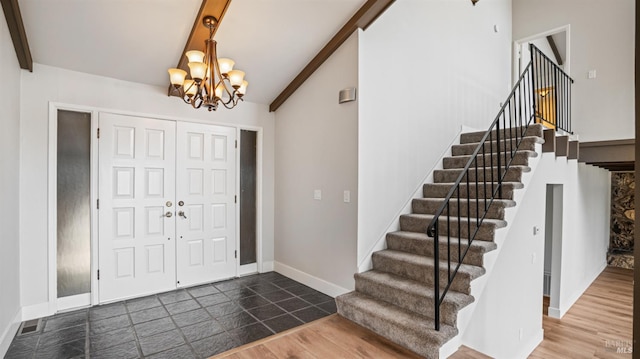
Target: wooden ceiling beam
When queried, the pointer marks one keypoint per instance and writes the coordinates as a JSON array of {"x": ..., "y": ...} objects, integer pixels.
[
  {"x": 199, "y": 33},
  {"x": 364, "y": 17},
  {"x": 18, "y": 35},
  {"x": 554, "y": 48}
]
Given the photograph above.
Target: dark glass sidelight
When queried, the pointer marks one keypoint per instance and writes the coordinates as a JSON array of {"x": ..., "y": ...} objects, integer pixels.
[{"x": 73, "y": 203}]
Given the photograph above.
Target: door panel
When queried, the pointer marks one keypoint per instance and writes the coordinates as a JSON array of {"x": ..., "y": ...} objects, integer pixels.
[
  {"x": 205, "y": 183},
  {"x": 136, "y": 182}
]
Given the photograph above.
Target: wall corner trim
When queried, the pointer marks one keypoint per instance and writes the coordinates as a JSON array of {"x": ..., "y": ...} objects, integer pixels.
[{"x": 7, "y": 335}]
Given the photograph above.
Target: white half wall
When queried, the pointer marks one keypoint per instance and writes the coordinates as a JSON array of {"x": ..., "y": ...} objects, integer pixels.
[
  {"x": 317, "y": 149},
  {"x": 9, "y": 189},
  {"x": 602, "y": 39},
  {"x": 49, "y": 84},
  {"x": 427, "y": 67},
  {"x": 507, "y": 321}
]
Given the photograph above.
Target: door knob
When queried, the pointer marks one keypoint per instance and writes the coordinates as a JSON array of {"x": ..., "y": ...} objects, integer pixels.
[
  {"x": 168, "y": 214},
  {"x": 181, "y": 214}
]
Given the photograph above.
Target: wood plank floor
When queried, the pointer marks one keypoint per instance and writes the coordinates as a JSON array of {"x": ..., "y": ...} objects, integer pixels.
[
  {"x": 597, "y": 325},
  {"x": 330, "y": 337}
]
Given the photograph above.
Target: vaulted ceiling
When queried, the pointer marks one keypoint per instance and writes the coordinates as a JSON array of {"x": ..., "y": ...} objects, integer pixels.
[{"x": 138, "y": 40}]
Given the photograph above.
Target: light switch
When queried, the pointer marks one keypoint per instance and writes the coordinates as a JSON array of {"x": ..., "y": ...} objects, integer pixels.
[
  {"x": 592, "y": 74},
  {"x": 346, "y": 196},
  {"x": 317, "y": 194}
]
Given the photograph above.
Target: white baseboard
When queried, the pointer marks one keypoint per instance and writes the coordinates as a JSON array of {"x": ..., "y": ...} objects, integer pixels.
[
  {"x": 316, "y": 283},
  {"x": 74, "y": 302},
  {"x": 36, "y": 311},
  {"x": 555, "y": 313},
  {"x": 267, "y": 266},
  {"x": 9, "y": 333}
]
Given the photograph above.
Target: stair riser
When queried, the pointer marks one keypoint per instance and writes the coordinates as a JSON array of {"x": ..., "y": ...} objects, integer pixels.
[
  {"x": 419, "y": 225},
  {"x": 421, "y": 272},
  {"x": 397, "y": 334},
  {"x": 425, "y": 248},
  {"x": 468, "y": 149},
  {"x": 420, "y": 304},
  {"x": 513, "y": 174},
  {"x": 435, "y": 191},
  {"x": 476, "y": 137},
  {"x": 423, "y": 206},
  {"x": 520, "y": 159}
]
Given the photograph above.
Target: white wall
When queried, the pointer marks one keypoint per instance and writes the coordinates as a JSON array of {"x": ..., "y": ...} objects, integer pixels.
[
  {"x": 426, "y": 68},
  {"x": 49, "y": 84},
  {"x": 507, "y": 321},
  {"x": 317, "y": 148},
  {"x": 602, "y": 39},
  {"x": 9, "y": 188}
]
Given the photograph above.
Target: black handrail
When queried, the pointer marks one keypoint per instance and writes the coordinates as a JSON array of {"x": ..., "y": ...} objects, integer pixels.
[
  {"x": 508, "y": 129},
  {"x": 552, "y": 98}
]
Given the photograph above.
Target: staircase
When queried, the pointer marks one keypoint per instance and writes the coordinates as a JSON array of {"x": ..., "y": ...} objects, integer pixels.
[{"x": 396, "y": 298}]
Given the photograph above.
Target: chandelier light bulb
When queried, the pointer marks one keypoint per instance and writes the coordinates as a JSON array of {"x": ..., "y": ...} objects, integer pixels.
[
  {"x": 243, "y": 88},
  {"x": 235, "y": 78},
  {"x": 190, "y": 88},
  {"x": 225, "y": 65},
  {"x": 177, "y": 76},
  {"x": 195, "y": 56}
]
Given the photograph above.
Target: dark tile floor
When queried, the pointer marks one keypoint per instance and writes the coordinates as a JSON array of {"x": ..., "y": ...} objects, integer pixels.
[{"x": 195, "y": 322}]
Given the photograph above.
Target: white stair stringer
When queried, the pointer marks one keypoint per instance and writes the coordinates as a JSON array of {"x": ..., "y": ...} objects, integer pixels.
[{"x": 478, "y": 285}]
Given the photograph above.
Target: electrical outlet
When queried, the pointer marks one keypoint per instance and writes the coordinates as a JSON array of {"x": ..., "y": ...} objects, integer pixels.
[
  {"x": 317, "y": 195},
  {"x": 346, "y": 196}
]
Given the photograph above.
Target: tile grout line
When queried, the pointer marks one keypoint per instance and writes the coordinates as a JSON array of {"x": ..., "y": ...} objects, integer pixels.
[
  {"x": 87, "y": 340},
  {"x": 133, "y": 327}
]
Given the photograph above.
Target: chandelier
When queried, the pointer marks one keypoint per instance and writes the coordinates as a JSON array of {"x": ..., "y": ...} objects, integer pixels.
[{"x": 212, "y": 81}]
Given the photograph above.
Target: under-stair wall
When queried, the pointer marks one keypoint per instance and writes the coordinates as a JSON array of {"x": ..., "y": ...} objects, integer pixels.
[{"x": 507, "y": 319}]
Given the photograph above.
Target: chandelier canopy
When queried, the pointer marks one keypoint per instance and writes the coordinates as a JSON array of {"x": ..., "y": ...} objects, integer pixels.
[{"x": 211, "y": 81}]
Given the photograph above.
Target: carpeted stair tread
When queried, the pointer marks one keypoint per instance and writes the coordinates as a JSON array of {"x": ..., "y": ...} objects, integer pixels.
[
  {"x": 421, "y": 269},
  {"x": 475, "y": 137},
  {"x": 521, "y": 158},
  {"x": 472, "y": 206},
  {"x": 415, "y": 222},
  {"x": 440, "y": 190},
  {"x": 410, "y": 295},
  {"x": 514, "y": 174},
  {"x": 527, "y": 143},
  {"x": 421, "y": 244},
  {"x": 401, "y": 326}
]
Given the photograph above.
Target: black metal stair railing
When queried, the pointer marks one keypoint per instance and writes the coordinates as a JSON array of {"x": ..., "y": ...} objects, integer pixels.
[{"x": 527, "y": 103}]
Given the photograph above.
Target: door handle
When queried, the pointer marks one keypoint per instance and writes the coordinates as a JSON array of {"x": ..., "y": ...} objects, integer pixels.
[
  {"x": 168, "y": 214},
  {"x": 181, "y": 214}
]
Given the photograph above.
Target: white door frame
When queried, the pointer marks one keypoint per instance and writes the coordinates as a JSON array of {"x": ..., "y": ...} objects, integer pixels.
[
  {"x": 52, "y": 181},
  {"x": 250, "y": 268},
  {"x": 81, "y": 300},
  {"x": 518, "y": 43}
]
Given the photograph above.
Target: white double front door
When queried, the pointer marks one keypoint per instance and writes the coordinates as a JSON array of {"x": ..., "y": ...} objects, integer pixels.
[{"x": 167, "y": 213}]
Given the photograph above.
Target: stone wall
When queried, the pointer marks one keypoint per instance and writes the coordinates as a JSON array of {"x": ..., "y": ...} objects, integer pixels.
[{"x": 622, "y": 219}]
